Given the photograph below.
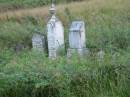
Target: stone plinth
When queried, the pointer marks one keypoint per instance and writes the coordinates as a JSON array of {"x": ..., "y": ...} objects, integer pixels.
[
  {"x": 52, "y": 53},
  {"x": 81, "y": 52}
]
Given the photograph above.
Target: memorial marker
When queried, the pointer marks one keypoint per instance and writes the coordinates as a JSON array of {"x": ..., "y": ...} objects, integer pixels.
[
  {"x": 38, "y": 42},
  {"x": 55, "y": 34},
  {"x": 77, "y": 40}
]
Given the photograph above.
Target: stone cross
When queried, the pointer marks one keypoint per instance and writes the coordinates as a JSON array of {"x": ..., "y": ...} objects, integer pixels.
[
  {"x": 77, "y": 40},
  {"x": 38, "y": 42},
  {"x": 55, "y": 34}
]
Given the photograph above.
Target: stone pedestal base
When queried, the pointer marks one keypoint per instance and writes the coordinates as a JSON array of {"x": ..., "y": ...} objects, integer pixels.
[
  {"x": 80, "y": 52},
  {"x": 52, "y": 54}
]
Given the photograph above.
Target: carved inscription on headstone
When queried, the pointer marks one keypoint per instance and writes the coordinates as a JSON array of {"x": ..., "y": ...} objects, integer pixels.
[{"x": 38, "y": 42}]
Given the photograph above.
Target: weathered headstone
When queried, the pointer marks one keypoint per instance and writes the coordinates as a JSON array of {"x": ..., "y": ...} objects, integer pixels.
[
  {"x": 38, "y": 42},
  {"x": 100, "y": 55},
  {"x": 55, "y": 34},
  {"x": 19, "y": 47},
  {"x": 77, "y": 40}
]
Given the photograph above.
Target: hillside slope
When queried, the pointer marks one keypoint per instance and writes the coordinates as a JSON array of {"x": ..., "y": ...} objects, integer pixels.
[
  {"x": 90, "y": 6},
  {"x": 6, "y": 5},
  {"x": 107, "y": 22}
]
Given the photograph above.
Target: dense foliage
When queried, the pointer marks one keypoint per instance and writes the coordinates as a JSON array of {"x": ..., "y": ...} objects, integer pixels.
[{"x": 31, "y": 74}]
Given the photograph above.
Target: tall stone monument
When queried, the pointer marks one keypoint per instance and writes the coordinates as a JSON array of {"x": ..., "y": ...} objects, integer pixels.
[
  {"x": 55, "y": 34},
  {"x": 77, "y": 40}
]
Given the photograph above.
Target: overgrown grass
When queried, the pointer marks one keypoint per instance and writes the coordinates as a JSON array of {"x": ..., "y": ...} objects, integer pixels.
[
  {"x": 13, "y": 32},
  {"x": 107, "y": 25},
  {"x": 31, "y": 74}
]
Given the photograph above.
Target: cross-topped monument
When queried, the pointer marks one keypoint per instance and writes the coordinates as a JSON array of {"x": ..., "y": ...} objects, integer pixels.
[
  {"x": 53, "y": 9},
  {"x": 55, "y": 34}
]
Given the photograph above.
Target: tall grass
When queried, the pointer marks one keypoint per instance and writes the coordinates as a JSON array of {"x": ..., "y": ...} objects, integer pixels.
[
  {"x": 33, "y": 75},
  {"x": 107, "y": 23}
]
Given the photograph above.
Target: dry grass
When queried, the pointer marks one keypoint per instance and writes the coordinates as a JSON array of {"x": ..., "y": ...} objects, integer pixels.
[
  {"x": 93, "y": 6},
  {"x": 40, "y": 11}
]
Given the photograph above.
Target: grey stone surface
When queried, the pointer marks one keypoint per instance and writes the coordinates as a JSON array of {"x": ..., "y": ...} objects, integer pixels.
[
  {"x": 81, "y": 52},
  {"x": 55, "y": 34},
  {"x": 77, "y": 39},
  {"x": 38, "y": 42},
  {"x": 52, "y": 53},
  {"x": 100, "y": 55},
  {"x": 77, "y": 35}
]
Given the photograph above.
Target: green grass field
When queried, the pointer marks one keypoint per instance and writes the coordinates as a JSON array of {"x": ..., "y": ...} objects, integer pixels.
[
  {"x": 30, "y": 74},
  {"x": 33, "y": 75}
]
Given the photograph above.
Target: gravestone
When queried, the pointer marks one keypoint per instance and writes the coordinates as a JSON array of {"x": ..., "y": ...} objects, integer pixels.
[
  {"x": 19, "y": 47},
  {"x": 55, "y": 34},
  {"x": 77, "y": 40},
  {"x": 38, "y": 42},
  {"x": 100, "y": 55}
]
